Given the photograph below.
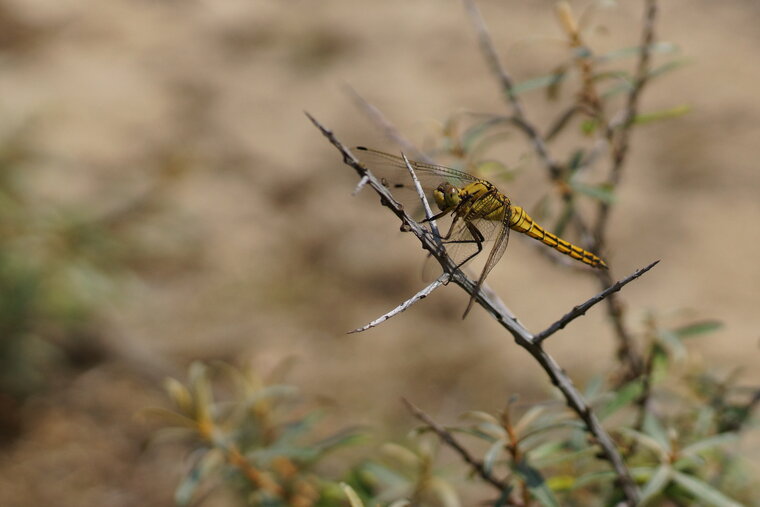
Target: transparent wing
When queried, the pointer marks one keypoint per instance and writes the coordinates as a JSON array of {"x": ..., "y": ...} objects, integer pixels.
[
  {"x": 497, "y": 252},
  {"x": 438, "y": 173},
  {"x": 392, "y": 172},
  {"x": 461, "y": 246}
]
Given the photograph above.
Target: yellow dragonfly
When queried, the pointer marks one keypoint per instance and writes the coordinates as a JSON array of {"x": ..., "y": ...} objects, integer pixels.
[{"x": 479, "y": 211}]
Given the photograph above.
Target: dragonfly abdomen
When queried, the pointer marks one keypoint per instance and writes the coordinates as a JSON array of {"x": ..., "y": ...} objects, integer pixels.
[{"x": 520, "y": 221}]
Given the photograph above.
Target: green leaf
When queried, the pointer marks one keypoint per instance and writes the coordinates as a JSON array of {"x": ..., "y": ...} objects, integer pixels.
[
  {"x": 698, "y": 328},
  {"x": 602, "y": 192},
  {"x": 480, "y": 416},
  {"x": 445, "y": 492},
  {"x": 605, "y": 476},
  {"x": 617, "y": 54},
  {"x": 529, "y": 417},
  {"x": 622, "y": 398},
  {"x": 672, "y": 344},
  {"x": 208, "y": 462},
  {"x": 656, "y": 430},
  {"x": 353, "y": 498},
  {"x": 576, "y": 159},
  {"x": 536, "y": 484},
  {"x": 550, "y": 454},
  {"x": 539, "y": 82},
  {"x": 703, "y": 492},
  {"x": 589, "y": 126},
  {"x": 665, "y": 114},
  {"x": 653, "y": 73},
  {"x": 647, "y": 441},
  {"x": 492, "y": 455},
  {"x": 709, "y": 443},
  {"x": 656, "y": 484},
  {"x": 533, "y": 434},
  {"x": 169, "y": 418}
]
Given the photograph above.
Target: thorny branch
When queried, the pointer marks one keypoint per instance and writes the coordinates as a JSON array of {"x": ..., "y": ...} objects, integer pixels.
[
  {"x": 441, "y": 280},
  {"x": 626, "y": 351},
  {"x": 584, "y": 307},
  {"x": 521, "y": 335},
  {"x": 452, "y": 442}
]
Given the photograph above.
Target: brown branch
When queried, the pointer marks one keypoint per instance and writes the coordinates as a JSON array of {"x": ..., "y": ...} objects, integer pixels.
[
  {"x": 621, "y": 142},
  {"x": 447, "y": 438},
  {"x": 626, "y": 353},
  {"x": 584, "y": 307},
  {"x": 507, "y": 87},
  {"x": 522, "y": 336}
]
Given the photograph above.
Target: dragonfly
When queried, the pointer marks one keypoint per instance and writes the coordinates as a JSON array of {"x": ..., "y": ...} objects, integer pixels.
[{"x": 479, "y": 211}]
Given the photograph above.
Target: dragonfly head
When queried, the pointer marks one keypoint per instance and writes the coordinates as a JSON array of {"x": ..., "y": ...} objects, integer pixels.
[{"x": 447, "y": 196}]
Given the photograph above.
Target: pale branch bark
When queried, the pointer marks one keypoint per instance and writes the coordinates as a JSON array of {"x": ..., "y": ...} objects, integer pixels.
[
  {"x": 423, "y": 199},
  {"x": 582, "y": 308},
  {"x": 452, "y": 442},
  {"x": 441, "y": 280},
  {"x": 521, "y": 335}
]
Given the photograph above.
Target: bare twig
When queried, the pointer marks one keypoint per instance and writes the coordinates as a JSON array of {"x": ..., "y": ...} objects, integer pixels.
[
  {"x": 627, "y": 352},
  {"x": 359, "y": 186},
  {"x": 423, "y": 199},
  {"x": 521, "y": 335},
  {"x": 441, "y": 280},
  {"x": 584, "y": 307},
  {"x": 452, "y": 442}
]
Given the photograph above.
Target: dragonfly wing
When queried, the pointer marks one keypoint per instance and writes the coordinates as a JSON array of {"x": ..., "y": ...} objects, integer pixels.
[
  {"x": 393, "y": 173},
  {"x": 496, "y": 253},
  {"x": 375, "y": 157}
]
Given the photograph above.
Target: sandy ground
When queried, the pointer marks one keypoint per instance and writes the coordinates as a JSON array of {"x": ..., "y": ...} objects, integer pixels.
[{"x": 289, "y": 261}]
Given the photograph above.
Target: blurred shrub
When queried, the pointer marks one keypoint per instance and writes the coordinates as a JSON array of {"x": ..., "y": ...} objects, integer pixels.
[
  {"x": 678, "y": 426},
  {"x": 59, "y": 263}
]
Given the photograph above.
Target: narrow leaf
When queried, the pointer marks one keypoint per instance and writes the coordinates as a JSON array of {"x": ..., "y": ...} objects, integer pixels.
[
  {"x": 656, "y": 484},
  {"x": 664, "y": 114},
  {"x": 622, "y": 398},
  {"x": 445, "y": 492},
  {"x": 702, "y": 491},
  {"x": 617, "y": 54},
  {"x": 353, "y": 498},
  {"x": 698, "y": 328},
  {"x": 602, "y": 192},
  {"x": 709, "y": 443},
  {"x": 538, "y": 82},
  {"x": 536, "y": 484},
  {"x": 492, "y": 455}
]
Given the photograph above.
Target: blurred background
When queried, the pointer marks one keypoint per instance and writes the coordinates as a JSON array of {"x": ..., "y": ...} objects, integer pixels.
[{"x": 164, "y": 199}]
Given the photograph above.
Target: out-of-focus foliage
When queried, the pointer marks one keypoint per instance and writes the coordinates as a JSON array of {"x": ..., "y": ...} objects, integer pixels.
[
  {"x": 678, "y": 428},
  {"x": 675, "y": 423},
  {"x": 254, "y": 437},
  {"x": 671, "y": 427},
  {"x": 59, "y": 263}
]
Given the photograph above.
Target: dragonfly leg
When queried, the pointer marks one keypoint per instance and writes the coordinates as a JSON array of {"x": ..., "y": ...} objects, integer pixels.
[
  {"x": 436, "y": 216},
  {"x": 477, "y": 238}
]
